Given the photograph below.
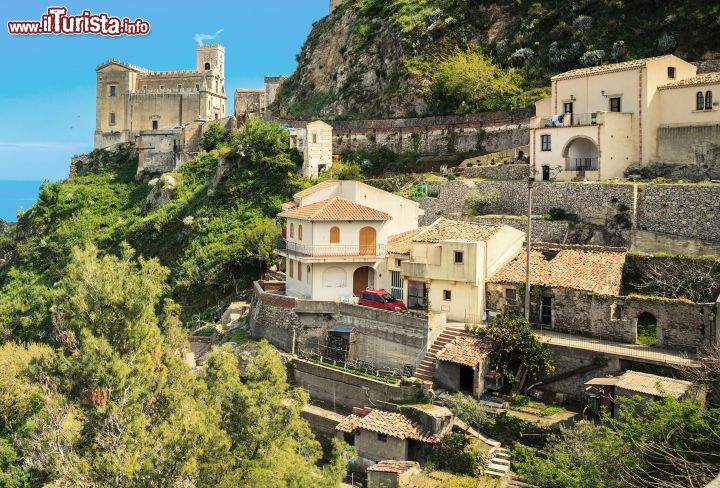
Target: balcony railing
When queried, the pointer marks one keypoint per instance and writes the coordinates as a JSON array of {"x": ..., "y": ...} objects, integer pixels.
[
  {"x": 571, "y": 120},
  {"x": 330, "y": 250},
  {"x": 582, "y": 164}
]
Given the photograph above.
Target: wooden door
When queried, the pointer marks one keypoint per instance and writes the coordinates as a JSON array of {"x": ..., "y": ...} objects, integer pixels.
[
  {"x": 367, "y": 241},
  {"x": 361, "y": 277}
]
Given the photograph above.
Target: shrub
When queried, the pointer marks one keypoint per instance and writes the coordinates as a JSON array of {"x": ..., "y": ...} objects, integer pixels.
[
  {"x": 582, "y": 22},
  {"x": 592, "y": 58},
  {"x": 469, "y": 81},
  {"x": 666, "y": 43},
  {"x": 520, "y": 400},
  {"x": 214, "y": 136},
  {"x": 457, "y": 454},
  {"x": 480, "y": 203}
]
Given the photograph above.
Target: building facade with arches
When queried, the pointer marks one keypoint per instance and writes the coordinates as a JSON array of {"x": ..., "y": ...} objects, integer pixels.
[
  {"x": 335, "y": 238},
  {"x": 600, "y": 120}
]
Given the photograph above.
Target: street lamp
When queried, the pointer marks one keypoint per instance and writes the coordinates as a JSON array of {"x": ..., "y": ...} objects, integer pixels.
[{"x": 531, "y": 180}]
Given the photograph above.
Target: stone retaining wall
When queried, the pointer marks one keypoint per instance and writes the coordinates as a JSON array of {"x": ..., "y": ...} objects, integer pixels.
[
  {"x": 500, "y": 172},
  {"x": 331, "y": 385},
  {"x": 437, "y": 136},
  {"x": 389, "y": 340},
  {"x": 677, "y": 210}
]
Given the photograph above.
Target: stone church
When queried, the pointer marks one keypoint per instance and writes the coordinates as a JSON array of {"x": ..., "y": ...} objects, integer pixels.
[{"x": 131, "y": 99}]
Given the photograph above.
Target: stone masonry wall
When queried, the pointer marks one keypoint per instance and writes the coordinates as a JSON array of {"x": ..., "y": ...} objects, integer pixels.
[
  {"x": 433, "y": 136},
  {"x": 691, "y": 152},
  {"x": 499, "y": 172},
  {"x": 680, "y": 210},
  {"x": 681, "y": 325},
  {"x": 347, "y": 390},
  {"x": 386, "y": 339}
]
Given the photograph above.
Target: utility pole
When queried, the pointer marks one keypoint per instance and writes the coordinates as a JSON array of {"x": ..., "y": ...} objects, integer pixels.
[{"x": 531, "y": 180}]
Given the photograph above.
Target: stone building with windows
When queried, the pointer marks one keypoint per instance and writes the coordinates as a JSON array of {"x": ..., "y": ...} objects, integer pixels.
[
  {"x": 600, "y": 120},
  {"x": 131, "y": 99},
  {"x": 578, "y": 290},
  {"x": 378, "y": 435}
]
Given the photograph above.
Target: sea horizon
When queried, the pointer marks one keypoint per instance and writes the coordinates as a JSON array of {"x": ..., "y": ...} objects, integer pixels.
[{"x": 16, "y": 195}]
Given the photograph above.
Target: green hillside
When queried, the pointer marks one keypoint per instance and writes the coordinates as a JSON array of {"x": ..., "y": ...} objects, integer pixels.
[
  {"x": 391, "y": 58},
  {"x": 214, "y": 234}
]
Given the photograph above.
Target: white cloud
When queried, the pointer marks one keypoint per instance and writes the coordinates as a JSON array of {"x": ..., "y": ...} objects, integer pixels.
[{"x": 200, "y": 38}]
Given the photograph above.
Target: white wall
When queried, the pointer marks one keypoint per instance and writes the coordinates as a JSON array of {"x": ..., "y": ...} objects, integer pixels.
[{"x": 405, "y": 213}]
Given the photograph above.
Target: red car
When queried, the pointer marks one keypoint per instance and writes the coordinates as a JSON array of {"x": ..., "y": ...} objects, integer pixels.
[{"x": 381, "y": 299}]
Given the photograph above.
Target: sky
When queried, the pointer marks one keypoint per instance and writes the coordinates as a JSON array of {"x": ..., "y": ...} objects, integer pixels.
[{"x": 47, "y": 90}]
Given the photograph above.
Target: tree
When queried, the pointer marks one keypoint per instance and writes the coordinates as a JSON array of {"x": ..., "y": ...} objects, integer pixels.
[
  {"x": 516, "y": 344},
  {"x": 215, "y": 136},
  {"x": 468, "y": 81},
  {"x": 271, "y": 444},
  {"x": 480, "y": 203},
  {"x": 582, "y": 455},
  {"x": 120, "y": 406},
  {"x": 665, "y": 443}
]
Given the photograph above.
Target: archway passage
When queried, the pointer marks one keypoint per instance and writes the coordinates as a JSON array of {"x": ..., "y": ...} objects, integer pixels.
[
  {"x": 368, "y": 241},
  {"x": 581, "y": 154},
  {"x": 361, "y": 279},
  {"x": 646, "y": 329}
]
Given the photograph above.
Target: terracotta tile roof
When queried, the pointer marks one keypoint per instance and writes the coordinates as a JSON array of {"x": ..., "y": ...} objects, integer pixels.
[
  {"x": 589, "y": 268},
  {"x": 388, "y": 423},
  {"x": 402, "y": 243},
  {"x": 645, "y": 383},
  {"x": 468, "y": 350},
  {"x": 313, "y": 189},
  {"x": 392, "y": 466},
  {"x": 605, "y": 68},
  {"x": 289, "y": 205},
  {"x": 703, "y": 79},
  {"x": 453, "y": 230},
  {"x": 335, "y": 209}
]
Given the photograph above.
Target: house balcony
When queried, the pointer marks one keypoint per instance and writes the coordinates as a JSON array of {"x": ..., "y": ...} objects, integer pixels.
[
  {"x": 574, "y": 120},
  {"x": 329, "y": 252}
]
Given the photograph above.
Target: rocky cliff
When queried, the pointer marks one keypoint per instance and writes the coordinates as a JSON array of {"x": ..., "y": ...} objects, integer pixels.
[{"x": 395, "y": 58}]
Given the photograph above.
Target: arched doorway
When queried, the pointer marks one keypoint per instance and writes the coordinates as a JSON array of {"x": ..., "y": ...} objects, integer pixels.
[
  {"x": 646, "y": 328},
  {"x": 362, "y": 279},
  {"x": 368, "y": 241},
  {"x": 581, "y": 155}
]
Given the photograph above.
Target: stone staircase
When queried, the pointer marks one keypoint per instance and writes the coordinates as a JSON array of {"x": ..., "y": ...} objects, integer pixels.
[
  {"x": 499, "y": 463},
  {"x": 426, "y": 369}
]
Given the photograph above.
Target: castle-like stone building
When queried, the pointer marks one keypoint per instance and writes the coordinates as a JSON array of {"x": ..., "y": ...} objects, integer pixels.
[{"x": 131, "y": 99}]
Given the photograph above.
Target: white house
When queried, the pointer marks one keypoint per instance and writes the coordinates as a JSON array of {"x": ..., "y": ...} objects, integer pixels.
[
  {"x": 335, "y": 238},
  {"x": 333, "y": 249},
  {"x": 315, "y": 143}
]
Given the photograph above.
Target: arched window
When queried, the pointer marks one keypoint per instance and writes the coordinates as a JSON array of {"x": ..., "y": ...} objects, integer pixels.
[
  {"x": 335, "y": 235},
  {"x": 708, "y": 100},
  {"x": 300, "y": 232},
  {"x": 291, "y": 267},
  {"x": 700, "y": 101},
  {"x": 292, "y": 231},
  {"x": 207, "y": 66},
  {"x": 299, "y": 264}
]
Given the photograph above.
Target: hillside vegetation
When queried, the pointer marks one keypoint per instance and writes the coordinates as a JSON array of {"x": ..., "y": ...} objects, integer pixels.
[
  {"x": 393, "y": 58},
  {"x": 215, "y": 233}
]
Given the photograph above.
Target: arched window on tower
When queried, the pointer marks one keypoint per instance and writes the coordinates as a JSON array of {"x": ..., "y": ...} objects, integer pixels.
[
  {"x": 708, "y": 100},
  {"x": 699, "y": 101},
  {"x": 207, "y": 66}
]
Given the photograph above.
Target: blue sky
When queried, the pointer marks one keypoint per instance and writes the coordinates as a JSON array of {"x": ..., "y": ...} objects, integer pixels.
[{"x": 47, "y": 91}]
